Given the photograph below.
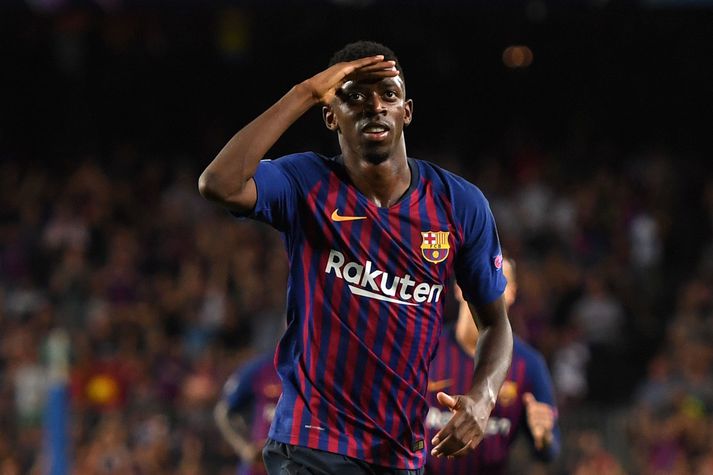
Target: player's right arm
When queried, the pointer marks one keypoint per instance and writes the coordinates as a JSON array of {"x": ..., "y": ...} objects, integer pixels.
[
  {"x": 228, "y": 179},
  {"x": 541, "y": 411}
]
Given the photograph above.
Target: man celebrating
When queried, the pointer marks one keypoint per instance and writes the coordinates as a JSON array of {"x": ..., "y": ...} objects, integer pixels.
[
  {"x": 526, "y": 401},
  {"x": 372, "y": 238}
]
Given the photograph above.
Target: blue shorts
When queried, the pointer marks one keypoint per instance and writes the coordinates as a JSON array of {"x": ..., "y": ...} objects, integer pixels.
[{"x": 286, "y": 459}]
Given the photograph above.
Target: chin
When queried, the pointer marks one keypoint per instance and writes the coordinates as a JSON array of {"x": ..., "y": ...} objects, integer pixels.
[
  {"x": 376, "y": 158},
  {"x": 376, "y": 154}
]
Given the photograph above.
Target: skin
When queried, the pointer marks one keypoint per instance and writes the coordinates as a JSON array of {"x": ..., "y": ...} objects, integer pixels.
[
  {"x": 540, "y": 416},
  {"x": 355, "y": 95}
]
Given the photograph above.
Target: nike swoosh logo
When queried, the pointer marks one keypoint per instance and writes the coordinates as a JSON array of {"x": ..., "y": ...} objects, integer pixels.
[
  {"x": 438, "y": 385},
  {"x": 339, "y": 218}
]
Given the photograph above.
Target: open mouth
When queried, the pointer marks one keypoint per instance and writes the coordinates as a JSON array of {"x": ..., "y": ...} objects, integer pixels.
[{"x": 375, "y": 131}]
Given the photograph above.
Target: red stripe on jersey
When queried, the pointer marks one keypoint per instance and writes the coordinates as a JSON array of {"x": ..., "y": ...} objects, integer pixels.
[
  {"x": 456, "y": 237},
  {"x": 395, "y": 231},
  {"x": 299, "y": 406},
  {"x": 384, "y": 253},
  {"x": 416, "y": 397},
  {"x": 353, "y": 322},
  {"x": 412, "y": 318},
  {"x": 317, "y": 322},
  {"x": 336, "y": 188},
  {"x": 372, "y": 333},
  {"x": 521, "y": 368}
]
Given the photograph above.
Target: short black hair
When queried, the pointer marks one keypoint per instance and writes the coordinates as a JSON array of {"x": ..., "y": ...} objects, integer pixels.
[{"x": 362, "y": 49}]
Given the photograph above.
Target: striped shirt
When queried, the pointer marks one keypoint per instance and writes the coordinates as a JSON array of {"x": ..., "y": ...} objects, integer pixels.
[
  {"x": 365, "y": 298},
  {"x": 452, "y": 372}
]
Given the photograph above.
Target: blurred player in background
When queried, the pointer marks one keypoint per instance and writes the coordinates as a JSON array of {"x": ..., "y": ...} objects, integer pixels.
[
  {"x": 526, "y": 400},
  {"x": 373, "y": 237},
  {"x": 246, "y": 409}
]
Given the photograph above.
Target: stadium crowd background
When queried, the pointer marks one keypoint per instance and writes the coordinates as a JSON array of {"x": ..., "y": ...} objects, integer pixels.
[{"x": 594, "y": 158}]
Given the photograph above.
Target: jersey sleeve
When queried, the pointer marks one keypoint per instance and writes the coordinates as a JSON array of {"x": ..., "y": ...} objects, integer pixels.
[
  {"x": 276, "y": 194},
  {"x": 478, "y": 264},
  {"x": 543, "y": 390}
]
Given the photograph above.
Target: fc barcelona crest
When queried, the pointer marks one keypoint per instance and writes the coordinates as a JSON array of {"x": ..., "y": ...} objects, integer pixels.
[{"x": 435, "y": 246}]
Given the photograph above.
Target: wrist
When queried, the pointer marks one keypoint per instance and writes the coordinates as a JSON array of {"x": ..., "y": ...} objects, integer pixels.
[
  {"x": 484, "y": 394},
  {"x": 306, "y": 94}
]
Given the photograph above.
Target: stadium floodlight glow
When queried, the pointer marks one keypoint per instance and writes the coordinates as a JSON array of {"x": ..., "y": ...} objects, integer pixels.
[{"x": 517, "y": 56}]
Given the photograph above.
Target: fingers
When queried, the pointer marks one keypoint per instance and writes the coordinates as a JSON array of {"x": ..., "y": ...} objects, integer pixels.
[
  {"x": 466, "y": 448},
  {"x": 440, "y": 442},
  {"x": 459, "y": 435},
  {"x": 452, "y": 446},
  {"x": 373, "y": 73},
  {"x": 540, "y": 418},
  {"x": 528, "y": 399},
  {"x": 538, "y": 435},
  {"x": 360, "y": 63},
  {"x": 448, "y": 401},
  {"x": 464, "y": 430},
  {"x": 387, "y": 66},
  {"x": 369, "y": 64}
]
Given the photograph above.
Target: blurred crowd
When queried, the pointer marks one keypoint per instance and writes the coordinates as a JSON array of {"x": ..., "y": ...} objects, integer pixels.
[{"x": 163, "y": 295}]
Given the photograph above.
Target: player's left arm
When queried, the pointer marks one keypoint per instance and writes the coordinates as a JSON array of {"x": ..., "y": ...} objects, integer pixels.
[
  {"x": 541, "y": 411},
  {"x": 471, "y": 411},
  {"x": 238, "y": 395},
  {"x": 478, "y": 269}
]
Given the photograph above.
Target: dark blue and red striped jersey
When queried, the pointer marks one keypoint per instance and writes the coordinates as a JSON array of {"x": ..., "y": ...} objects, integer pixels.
[
  {"x": 253, "y": 391},
  {"x": 365, "y": 297},
  {"x": 452, "y": 372}
]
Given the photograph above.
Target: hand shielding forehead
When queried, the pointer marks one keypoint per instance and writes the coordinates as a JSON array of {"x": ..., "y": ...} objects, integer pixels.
[{"x": 353, "y": 82}]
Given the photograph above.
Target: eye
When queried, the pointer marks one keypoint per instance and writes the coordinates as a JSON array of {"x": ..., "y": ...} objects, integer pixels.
[
  {"x": 356, "y": 96},
  {"x": 391, "y": 95}
]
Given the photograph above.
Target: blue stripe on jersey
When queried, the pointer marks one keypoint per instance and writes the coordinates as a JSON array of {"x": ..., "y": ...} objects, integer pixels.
[
  {"x": 327, "y": 334},
  {"x": 314, "y": 268},
  {"x": 342, "y": 346},
  {"x": 379, "y": 380},
  {"x": 401, "y": 322},
  {"x": 353, "y": 365}
]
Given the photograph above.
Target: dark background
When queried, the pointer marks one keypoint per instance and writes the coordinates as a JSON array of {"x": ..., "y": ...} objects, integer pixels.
[{"x": 87, "y": 78}]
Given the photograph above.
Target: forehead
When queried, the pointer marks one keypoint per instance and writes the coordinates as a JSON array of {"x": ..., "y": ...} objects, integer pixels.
[{"x": 375, "y": 83}]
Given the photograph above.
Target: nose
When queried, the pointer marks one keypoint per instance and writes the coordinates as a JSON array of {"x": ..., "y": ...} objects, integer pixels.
[{"x": 375, "y": 104}]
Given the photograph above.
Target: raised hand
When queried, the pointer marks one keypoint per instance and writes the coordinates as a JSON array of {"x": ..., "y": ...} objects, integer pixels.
[
  {"x": 540, "y": 420},
  {"x": 323, "y": 86},
  {"x": 466, "y": 428}
]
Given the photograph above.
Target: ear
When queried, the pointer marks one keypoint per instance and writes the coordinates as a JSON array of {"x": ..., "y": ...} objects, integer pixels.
[
  {"x": 408, "y": 112},
  {"x": 330, "y": 118}
]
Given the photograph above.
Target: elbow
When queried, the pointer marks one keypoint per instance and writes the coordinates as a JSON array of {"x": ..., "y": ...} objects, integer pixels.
[
  {"x": 222, "y": 190},
  {"x": 210, "y": 188}
]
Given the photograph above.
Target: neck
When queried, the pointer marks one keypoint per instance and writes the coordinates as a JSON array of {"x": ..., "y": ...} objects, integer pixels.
[{"x": 383, "y": 183}]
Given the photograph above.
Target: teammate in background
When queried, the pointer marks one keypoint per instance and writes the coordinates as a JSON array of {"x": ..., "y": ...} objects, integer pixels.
[
  {"x": 246, "y": 409},
  {"x": 526, "y": 400},
  {"x": 373, "y": 236}
]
